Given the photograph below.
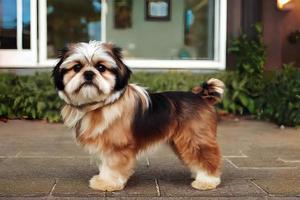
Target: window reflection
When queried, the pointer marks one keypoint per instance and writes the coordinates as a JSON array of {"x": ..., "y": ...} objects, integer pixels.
[
  {"x": 8, "y": 24},
  {"x": 72, "y": 21},
  {"x": 199, "y": 28},
  {"x": 26, "y": 24}
]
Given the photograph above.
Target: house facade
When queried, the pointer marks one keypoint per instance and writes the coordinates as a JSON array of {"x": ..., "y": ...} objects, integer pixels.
[
  {"x": 281, "y": 28},
  {"x": 154, "y": 34}
]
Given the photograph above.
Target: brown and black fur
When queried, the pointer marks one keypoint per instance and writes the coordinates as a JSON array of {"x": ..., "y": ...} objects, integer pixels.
[
  {"x": 120, "y": 129},
  {"x": 185, "y": 120}
]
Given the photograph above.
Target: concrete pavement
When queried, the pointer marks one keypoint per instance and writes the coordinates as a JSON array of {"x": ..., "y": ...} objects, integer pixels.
[{"x": 41, "y": 161}]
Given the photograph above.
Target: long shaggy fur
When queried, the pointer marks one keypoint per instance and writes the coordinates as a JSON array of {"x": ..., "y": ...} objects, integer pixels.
[{"x": 116, "y": 120}]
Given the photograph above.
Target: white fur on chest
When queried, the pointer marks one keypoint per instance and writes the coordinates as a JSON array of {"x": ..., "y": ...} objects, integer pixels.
[{"x": 108, "y": 116}]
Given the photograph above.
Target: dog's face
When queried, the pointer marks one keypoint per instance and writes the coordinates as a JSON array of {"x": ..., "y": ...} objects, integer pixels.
[{"x": 90, "y": 72}]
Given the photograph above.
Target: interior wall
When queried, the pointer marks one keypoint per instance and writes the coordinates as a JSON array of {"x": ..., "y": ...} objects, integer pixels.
[{"x": 156, "y": 39}]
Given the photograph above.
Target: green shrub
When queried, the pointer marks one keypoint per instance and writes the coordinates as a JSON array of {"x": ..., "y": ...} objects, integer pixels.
[
  {"x": 247, "y": 83},
  {"x": 30, "y": 97},
  {"x": 170, "y": 81},
  {"x": 280, "y": 101},
  {"x": 34, "y": 97},
  {"x": 250, "y": 53}
]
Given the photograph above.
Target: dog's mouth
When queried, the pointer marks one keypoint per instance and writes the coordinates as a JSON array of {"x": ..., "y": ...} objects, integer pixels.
[{"x": 86, "y": 84}]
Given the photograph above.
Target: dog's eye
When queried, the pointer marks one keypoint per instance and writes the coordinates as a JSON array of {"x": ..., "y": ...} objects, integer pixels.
[
  {"x": 77, "y": 67},
  {"x": 100, "y": 67}
]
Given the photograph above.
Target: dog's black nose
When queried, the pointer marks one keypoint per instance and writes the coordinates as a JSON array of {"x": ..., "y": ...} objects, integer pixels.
[{"x": 88, "y": 75}]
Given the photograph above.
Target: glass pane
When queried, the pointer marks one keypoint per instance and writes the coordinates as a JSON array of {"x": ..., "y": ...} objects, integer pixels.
[
  {"x": 8, "y": 24},
  {"x": 26, "y": 24},
  {"x": 72, "y": 21},
  {"x": 185, "y": 30},
  {"x": 199, "y": 28}
]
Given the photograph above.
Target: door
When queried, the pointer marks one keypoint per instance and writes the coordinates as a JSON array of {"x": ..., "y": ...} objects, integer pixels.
[{"x": 18, "y": 36}]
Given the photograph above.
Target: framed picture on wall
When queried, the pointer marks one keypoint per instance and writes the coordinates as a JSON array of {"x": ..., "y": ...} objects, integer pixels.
[
  {"x": 123, "y": 14},
  {"x": 158, "y": 10}
]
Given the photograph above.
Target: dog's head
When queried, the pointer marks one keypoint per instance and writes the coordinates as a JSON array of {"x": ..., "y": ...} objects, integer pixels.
[{"x": 90, "y": 72}]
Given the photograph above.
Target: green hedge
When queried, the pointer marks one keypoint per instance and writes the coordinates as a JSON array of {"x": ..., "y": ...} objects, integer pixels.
[
  {"x": 34, "y": 97},
  {"x": 277, "y": 98},
  {"x": 30, "y": 97}
]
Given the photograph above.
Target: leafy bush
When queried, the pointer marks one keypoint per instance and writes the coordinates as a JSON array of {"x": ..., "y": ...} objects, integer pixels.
[
  {"x": 172, "y": 80},
  {"x": 264, "y": 95},
  {"x": 248, "y": 82},
  {"x": 34, "y": 97},
  {"x": 250, "y": 53},
  {"x": 31, "y": 97},
  {"x": 281, "y": 97}
]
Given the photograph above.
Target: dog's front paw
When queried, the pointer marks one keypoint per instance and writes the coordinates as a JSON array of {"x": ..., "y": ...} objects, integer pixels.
[
  {"x": 97, "y": 183},
  {"x": 205, "y": 185}
]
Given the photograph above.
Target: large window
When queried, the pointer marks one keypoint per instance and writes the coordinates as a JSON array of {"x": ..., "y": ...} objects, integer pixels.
[
  {"x": 153, "y": 33},
  {"x": 9, "y": 24},
  {"x": 18, "y": 36}
]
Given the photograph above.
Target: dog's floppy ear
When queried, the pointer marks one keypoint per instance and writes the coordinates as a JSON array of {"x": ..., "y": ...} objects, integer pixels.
[
  {"x": 123, "y": 73},
  {"x": 57, "y": 73}
]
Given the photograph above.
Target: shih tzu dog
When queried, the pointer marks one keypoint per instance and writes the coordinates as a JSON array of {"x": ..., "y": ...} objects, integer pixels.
[{"x": 117, "y": 120}]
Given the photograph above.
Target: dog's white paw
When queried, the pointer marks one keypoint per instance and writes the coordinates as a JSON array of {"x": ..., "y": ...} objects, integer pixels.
[
  {"x": 97, "y": 183},
  {"x": 205, "y": 185}
]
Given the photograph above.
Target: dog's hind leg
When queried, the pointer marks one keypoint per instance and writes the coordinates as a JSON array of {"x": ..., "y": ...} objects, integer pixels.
[{"x": 202, "y": 156}]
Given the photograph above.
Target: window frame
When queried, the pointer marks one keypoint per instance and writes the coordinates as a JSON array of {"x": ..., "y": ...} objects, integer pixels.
[
  {"x": 218, "y": 63},
  {"x": 19, "y": 57}
]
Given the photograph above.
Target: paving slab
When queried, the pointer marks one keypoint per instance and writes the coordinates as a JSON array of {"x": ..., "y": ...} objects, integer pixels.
[
  {"x": 189, "y": 198},
  {"x": 8, "y": 150},
  {"x": 74, "y": 188},
  {"x": 79, "y": 188},
  {"x": 46, "y": 149},
  {"x": 261, "y": 161},
  {"x": 47, "y": 168},
  {"x": 144, "y": 198},
  {"x": 28, "y": 128},
  {"x": 26, "y": 187},
  {"x": 167, "y": 170},
  {"x": 137, "y": 187},
  {"x": 230, "y": 172},
  {"x": 151, "y": 198},
  {"x": 228, "y": 188},
  {"x": 282, "y": 187},
  {"x": 165, "y": 164}
]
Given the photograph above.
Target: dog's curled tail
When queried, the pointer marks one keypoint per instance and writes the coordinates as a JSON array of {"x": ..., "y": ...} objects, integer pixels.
[{"x": 211, "y": 90}]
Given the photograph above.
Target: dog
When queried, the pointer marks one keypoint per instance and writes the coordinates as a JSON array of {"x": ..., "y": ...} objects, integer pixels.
[{"x": 117, "y": 120}]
